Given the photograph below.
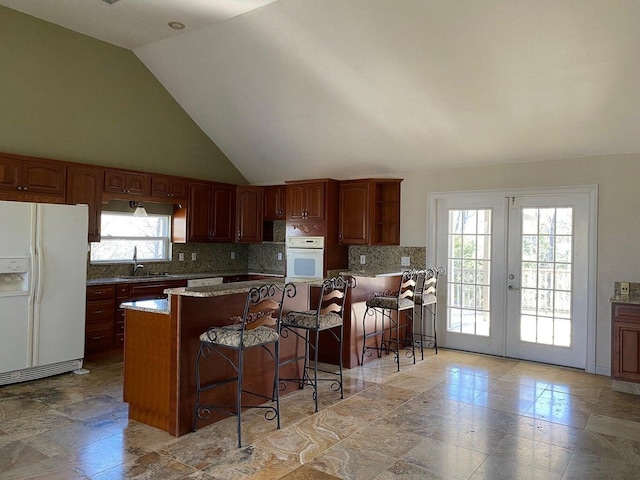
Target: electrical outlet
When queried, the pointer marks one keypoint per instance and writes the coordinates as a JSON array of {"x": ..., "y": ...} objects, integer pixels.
[
  {"x": 624, "y": 288},
  {"x": 181, "y": 257},
  {"x": 233, "y": 255},
  {"x": 363, "y": 259},
  {"x": 194, "y": 256},
  {"x": 279, "y": 256},
  {"x": 405, "y": 261}
]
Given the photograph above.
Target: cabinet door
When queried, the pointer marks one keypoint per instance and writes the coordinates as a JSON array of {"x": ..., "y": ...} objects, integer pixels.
[
  {"x": 84, "y": 185},
  {"x": 9, "y": 173},
  {"x": 198, "y": 216},
  {"x": 314, "y": 201},
  {"x": 138, "y": 184},
  {"x": 172, "y": 188},
  {"x": 274, "y": 202},
  {"x": 354, "y": 213},
  {"x": 222, "y": 213},
  {"x": 295, "y": 202},
  {"x": 115, "y": 181},
  {"x": 41, "y": 177},
  {"x": 249, "y": 214},
  {"x": 625, "y": 342},
  {"x": 128, "y": 183},
  {"x": 626, "y": 365}
]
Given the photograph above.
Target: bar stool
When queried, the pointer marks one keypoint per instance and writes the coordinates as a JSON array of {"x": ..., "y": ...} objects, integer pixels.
[
  {"x": 390, "y": 307},
  {"x": 329, "y": 317},
  {"x": 258, "y": 327},
  {"x": 426, "y": 299}
]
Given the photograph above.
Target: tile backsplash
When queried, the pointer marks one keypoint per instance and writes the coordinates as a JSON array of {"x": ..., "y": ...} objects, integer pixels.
[
  {"x": 259, "y": 257},
  {"x": 386, "y": 258},
  {"x": 210, "y": 257}
]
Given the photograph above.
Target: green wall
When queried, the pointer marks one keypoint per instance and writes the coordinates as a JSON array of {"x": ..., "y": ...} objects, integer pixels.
[{"x": 67, "y": 96}]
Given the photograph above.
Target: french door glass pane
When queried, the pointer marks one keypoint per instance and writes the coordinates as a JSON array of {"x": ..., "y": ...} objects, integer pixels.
[
  {"x": 546, "y": 273},
  {"x": 469, "y": 260}
]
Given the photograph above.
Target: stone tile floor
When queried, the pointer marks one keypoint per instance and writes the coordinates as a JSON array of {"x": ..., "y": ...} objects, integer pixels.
[{"x": 451, "y": 416}]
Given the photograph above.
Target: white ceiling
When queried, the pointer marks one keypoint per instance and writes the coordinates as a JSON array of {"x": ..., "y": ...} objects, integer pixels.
[{"x": 336, "y": 88}]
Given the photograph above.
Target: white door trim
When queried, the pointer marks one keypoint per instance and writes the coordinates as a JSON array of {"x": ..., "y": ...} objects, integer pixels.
[{"x": 590, "y": 190}]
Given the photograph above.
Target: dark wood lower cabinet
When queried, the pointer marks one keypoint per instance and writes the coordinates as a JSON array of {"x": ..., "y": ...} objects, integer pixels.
[
  {"x": 625, "y": 348},
  {"x": 104, "y": 323}
]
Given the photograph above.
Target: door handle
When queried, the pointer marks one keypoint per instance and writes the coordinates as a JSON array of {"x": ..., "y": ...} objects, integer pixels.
[{"x": 512, "y": 288}]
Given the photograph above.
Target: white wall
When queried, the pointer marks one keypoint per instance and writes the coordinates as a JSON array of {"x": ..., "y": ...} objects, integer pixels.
[{"x": 618, "y": 178}]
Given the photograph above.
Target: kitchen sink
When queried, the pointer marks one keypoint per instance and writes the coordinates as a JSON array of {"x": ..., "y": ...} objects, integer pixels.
[{"x": 156, "y": 276}]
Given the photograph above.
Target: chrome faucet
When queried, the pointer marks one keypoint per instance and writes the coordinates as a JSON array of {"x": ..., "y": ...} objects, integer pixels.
[{"x": 137, "y": 267}]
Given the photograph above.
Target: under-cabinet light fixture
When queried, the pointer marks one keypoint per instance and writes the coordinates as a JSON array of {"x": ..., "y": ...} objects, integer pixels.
[{"x": 139, "y": 209}]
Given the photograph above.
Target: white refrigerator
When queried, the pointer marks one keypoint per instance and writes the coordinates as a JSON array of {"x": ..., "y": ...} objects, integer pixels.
[{"x": 43, "y": 268}]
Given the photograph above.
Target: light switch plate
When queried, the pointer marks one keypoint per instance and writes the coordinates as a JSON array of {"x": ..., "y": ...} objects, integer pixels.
[
  {"x": 406, "y": 261},
  {"x": 279, "y": 256},
  {"x": 194, "y": 256},
  {"x": 233, "y": 255},
  {"x": 624, "y": 288},
  {"x": 363, "y": 259},
  {"x": 181, "y": 257}
]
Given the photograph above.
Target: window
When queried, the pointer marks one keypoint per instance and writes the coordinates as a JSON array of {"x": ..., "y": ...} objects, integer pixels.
[{"x": 121, "y": 232}]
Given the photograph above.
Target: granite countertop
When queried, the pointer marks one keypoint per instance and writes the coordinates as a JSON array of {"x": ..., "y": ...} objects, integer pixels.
[
  {"x": 629, "y": 299},
  {"x": 229, "y": 288},
  {"x": 153, "y": 306},
  {"x": 175, "y": 276},
  {"x": 367, "y": 273}
]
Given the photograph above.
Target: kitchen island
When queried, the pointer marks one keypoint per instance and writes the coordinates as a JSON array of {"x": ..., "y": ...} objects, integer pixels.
[{"x": 161, "y": 345}]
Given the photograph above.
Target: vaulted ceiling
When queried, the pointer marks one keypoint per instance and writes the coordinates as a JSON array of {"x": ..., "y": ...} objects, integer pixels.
[{"x": 293, "y": 89}]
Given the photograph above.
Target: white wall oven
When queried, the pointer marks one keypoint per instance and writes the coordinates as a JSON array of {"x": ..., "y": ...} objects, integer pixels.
[{"x": 305, "y": 257}]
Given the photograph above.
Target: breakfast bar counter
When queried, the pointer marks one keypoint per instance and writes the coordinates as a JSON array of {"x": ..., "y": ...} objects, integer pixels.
[{"x": 161, "y": 345}]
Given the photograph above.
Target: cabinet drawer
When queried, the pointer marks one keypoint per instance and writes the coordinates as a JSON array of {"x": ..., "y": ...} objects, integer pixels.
[
  {"x": 119, "y": 328},
  {"x": 628, "y": 313},
  {"x": 122, "y": 291},
  {"x": 102, "y": 311},
  {"x": 99, "y": 337},
  {"x": 100, "y": 292}
]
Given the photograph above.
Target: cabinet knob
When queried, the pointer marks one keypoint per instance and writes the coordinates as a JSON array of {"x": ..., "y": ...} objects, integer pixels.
[{"x": 25, "y": 188}]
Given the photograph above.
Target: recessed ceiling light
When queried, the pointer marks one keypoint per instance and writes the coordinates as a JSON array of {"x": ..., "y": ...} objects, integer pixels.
[{"x": 176, "y": 25}]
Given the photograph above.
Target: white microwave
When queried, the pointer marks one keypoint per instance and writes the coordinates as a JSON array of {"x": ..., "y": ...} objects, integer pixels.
[{"x": 305, "y": 257}]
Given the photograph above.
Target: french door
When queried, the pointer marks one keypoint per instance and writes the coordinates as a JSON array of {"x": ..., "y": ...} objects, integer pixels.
[{"x": 518, "y": 273}]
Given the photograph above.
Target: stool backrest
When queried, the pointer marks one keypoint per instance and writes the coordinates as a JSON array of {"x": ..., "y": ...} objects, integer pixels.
[
  {"x": 428, "y": 284},
  {"x": 408, "y": 283},
  {"x": 264, "y": 305},
  {"x": 334, "y": 294}
]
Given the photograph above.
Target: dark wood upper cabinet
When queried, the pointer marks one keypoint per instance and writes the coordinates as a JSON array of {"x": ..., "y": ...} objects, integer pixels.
[
  {"x": 123, "y": 184},
  {"x": 222, "y": 211},
  {"x": 31, "y": 179},
  {"x": 369, "y": 212},
  {"x": 84, "y": 186},
  {"x": 305, "y": 201},
  {"x": 249, "y": 214},
  {"x": 275, "y": 198},
  {"x": 169, "y": 188},
  {"x": 354, "y": 217},
  {"x": 210, "y": 215}
]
